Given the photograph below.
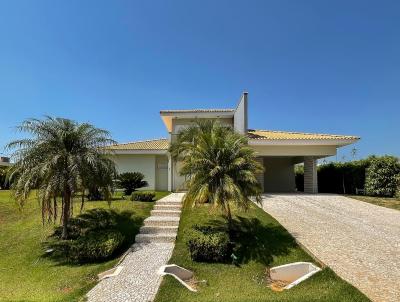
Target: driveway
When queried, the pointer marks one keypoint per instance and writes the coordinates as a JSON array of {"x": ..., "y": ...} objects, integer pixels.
[{"x": 359, "y": 241}]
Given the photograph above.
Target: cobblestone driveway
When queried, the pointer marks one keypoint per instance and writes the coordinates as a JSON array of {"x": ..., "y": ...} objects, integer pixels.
[{"x": 359, "y": 241}]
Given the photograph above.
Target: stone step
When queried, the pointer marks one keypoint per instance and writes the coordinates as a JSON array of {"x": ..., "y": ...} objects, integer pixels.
[
  {"x": 159, "y": 229},
  {"x": 167, "y": 213},
  {"x": 159, "y": 238},
  {"x": 167, "y": 207},
  {"x": 168, "y": 202},
  {"x": 161, "y": 221}
]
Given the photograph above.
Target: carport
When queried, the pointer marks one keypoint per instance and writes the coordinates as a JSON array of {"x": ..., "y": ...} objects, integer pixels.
[
  {"x": 280, "y": 151},
  {"x": 279, "y": 175}
]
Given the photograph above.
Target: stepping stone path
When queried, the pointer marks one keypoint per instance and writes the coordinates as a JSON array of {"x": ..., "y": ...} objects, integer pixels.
[{"x": 139, "y": 281}]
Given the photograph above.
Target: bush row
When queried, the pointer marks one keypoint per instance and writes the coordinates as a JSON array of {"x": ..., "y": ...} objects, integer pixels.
[
  {"x": 379, "y": 176},
  {"x": 91, "y": 247},
  {"x": 143, "y": 196},
  {"x": 92, "y": 236}
]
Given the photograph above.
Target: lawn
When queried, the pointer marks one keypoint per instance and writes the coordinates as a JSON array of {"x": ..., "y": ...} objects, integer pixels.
[
  {"x": 263, "y": 242},
  {"x": 25, "y": 275},
  {"x": 391, "y": 203}
]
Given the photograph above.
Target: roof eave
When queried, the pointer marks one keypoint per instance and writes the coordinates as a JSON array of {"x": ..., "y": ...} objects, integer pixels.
[
  {"x": 141, "y": 151},
  {"x": 168, "y": 115},
  {"x": 303, "y": 142}
]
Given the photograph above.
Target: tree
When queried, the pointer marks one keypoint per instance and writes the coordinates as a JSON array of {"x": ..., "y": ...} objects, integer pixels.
[
  {"x": 130, "y": 181},
  {"x": 219, "y": 166},
  {"x": 59, "y": 158},
  {"x": 383, "y": 176}
]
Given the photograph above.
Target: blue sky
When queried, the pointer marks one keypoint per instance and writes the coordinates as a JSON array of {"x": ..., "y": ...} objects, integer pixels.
[{"x": 314, "y": 66}]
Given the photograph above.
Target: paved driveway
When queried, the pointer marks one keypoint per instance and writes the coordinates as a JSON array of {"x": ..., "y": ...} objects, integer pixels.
[{"x": 359, "y": 241}]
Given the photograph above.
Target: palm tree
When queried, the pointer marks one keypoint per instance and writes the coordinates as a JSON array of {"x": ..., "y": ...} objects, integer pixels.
[
  {"x": 60, "y": 158},
  {"x": 219, "y": 166}
]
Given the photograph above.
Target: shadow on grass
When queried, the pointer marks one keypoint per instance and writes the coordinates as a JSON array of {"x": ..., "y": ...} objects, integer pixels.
[
  {"x": 255, "y": 241},
  {"x": 96, "y": 221}
]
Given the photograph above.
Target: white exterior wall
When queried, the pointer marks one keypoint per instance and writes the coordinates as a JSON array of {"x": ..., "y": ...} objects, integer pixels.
[
  {"x": 142, "y": 163},
  {"x": 161, "y": 173},
  {"x": 178, "y": 180},
  {"x": 240, "y": 116}
]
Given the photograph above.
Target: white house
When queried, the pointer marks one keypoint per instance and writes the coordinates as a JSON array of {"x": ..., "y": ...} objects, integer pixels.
[{"x": 279, "y": 151}]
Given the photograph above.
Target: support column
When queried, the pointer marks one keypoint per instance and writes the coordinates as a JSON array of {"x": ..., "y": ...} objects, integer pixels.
[
  {"x": 260, "y": 176},
  {"x": 310, "y": 175}
]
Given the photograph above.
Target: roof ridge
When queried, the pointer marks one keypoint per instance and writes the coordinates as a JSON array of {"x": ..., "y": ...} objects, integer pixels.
[
  {"x": 142, "y": 141},
  {"x": 298, "y": 132}
]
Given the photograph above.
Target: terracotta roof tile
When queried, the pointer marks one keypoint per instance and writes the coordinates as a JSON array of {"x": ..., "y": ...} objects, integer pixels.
[
  {"x": 282, "y": 135},
  {"x": 154, "y": 144},
  {"x": 163, "y": 143}
]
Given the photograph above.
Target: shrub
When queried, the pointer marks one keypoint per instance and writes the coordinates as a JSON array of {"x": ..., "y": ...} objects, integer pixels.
[
  {"x": 94, "y": 194},
  {"x": 91, "y": 247},
  {"x": 4, "y": 183},
  {"x": 382, "y": 176},
  {"x": 92, "y": 236},
  {"x": 143, "y": 196},
  {"x": 130, "y": 181},
  {"x": 206, "y": 244}
]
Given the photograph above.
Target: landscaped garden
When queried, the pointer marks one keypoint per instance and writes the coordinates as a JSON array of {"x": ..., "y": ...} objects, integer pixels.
[
  {"x": 57, "y": 236},
  {"x": 261, "y": 242},
  {"x": 62, "y": 224},
  {"x": 28, "y": 274},
  {"x": 224, "y": 238}
]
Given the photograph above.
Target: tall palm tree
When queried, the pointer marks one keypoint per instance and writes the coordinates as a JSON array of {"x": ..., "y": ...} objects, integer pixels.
[
  {"x": 59, "y": 158},
  {"x": 219, "y": 165}
]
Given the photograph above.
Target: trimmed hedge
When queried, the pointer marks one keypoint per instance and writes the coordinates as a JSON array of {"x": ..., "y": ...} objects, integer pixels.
[
  {"x": 143, "y": 196},
  {"x": 208, "y": 245},
  {"x": 339, "y": 178},
  {"x": 91, "y": 247},
  {"x": 92, "y": 236},
  {"x": 345, "y": 178}
]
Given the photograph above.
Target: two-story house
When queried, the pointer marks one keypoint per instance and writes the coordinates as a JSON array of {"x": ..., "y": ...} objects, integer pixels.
[{"x": 279, "y": 151}]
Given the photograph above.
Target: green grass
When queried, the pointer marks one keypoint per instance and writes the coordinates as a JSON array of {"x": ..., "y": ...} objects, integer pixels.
[
  {"x": 25, "y": 275},
  {"x": 391, "y": 203},
  {"x": 263, "y": 242}
]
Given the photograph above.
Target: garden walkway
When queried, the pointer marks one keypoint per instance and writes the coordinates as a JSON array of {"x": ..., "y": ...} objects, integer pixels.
[
  {"x": 358, "y": 240},
  {"x": 139, "y": 281}
]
